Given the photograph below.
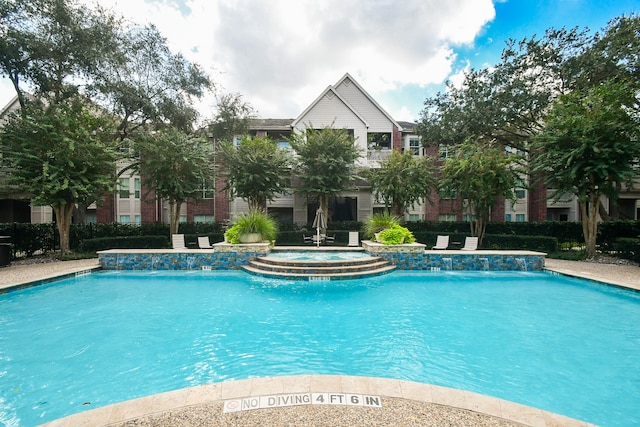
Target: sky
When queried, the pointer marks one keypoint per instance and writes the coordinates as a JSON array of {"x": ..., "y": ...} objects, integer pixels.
[{"x": 281, "y": 54}]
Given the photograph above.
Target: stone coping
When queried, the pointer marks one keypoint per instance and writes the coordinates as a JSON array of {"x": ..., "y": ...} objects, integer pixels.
[{"x": 387, "y": 389}]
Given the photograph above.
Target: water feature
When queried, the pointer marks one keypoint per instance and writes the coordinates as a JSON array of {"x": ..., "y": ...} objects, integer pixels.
[
  {"x": 485, "y": 263},
  {"x": 317, "y": 255},
  {"x": 190, "y": 261},
  {"x": 154, "y": 262},
  {"x": 522, "y": 264},
  {"x": 448, "y": 264},
  {"x": 539, "y": 339}
]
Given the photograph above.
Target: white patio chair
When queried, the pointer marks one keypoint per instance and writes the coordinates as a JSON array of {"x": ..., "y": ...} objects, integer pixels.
[
  {"x": 203, "y": 242},
  {"x": 177, "y": 241},
  {"x": 442, "y": 242},
  {"x": 470, "y": 244}
]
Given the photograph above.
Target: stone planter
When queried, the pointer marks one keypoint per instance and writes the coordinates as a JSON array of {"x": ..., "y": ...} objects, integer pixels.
[{"x": 250, "y": 238}]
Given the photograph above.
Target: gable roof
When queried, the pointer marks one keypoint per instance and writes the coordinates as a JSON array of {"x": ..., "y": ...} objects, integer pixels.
[
  {"x": 369, "y": 97},
  {"x": 332, "y": 91}
]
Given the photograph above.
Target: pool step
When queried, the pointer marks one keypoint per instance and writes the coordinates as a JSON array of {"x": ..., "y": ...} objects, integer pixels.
[{"x": 319, "y": 269}]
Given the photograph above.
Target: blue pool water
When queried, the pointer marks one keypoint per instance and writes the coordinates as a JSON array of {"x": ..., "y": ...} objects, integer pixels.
[
  {"x": 552, "y": 342},
  {"x": 318, "y": 255}
]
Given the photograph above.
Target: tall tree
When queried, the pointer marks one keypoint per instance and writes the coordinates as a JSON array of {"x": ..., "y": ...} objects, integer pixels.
[
  {"x": 402, "y": 181},
  {"x": 55, "y": 47},
  {"x": 256, "y": 170},
  {"x": 233, "y": 117},
  {"x": 63, "y": 156},
  {"x": 479, "y": 173},
  {"x": 155, "y": 87},
  {"x": 175, "y": 165},
  {"x": 325, "y": 162},
  {"x": 590, "y": 147}
]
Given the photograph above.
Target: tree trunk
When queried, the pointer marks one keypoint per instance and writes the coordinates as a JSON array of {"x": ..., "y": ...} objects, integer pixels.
[
  {"x": 63, "y": 222},
  {"x": 174, "y": 216},
  {"x": 589, "y": 211}
]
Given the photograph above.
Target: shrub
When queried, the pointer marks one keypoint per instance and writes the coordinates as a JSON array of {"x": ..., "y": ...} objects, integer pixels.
[
  {"x": 378, "y": 222},
  {"x": 255, "y": 222},
  {"x": 396, "y": 235},
  {"x": 126, "y": 242},
  {"x": 232, "y": 235}
]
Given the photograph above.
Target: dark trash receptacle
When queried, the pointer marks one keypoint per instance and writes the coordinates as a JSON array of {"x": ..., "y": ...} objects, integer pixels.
[{"x": 5, "y": 251}]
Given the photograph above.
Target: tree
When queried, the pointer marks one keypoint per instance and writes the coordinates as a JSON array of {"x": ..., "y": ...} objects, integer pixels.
[
  {"x": 155, "y": 87},
  {"x": 402, "y": 181},
  {"x": 175, "y": 165},
  {"x": 55, "y": 47},
  {"x": 590, "y": 146},
  {"x": 479, "y": 173},
  {"x": 325, "y": 162},
  {"x": 62, "y": 156},
  {"x": 256, "y": 170},
  {"x": 232, "y": 117}
]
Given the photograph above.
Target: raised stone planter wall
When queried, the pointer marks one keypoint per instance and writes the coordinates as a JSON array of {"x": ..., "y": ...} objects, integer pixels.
[
  {"x": 415, "y": 257},
  {"x": 224, "y": 256}
]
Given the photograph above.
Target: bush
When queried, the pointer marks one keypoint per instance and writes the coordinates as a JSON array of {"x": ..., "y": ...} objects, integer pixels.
[
  {"x": 254, "y": 222},
  {"x": 628, "y": 248},
  {"x": 396, "y": 235},
  {"x": 378, "y": 222},
  {"x": 126, "y": 242}
]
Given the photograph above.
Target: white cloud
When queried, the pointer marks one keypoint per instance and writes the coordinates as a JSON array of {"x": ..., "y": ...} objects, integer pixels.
[{"x": 280, "y": 54}]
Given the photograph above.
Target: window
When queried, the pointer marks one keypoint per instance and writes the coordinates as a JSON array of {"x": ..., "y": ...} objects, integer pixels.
[
  {"x": 136, "y": 188},
  {"x": 521, "y": 193},
  {"x": 123, "y": 185},
  {"x": 284, "y": 145},
  {"x": 182, "y": 219},
  {"x": 521, "y": 218},
  {"x": 125, "y": 219},
  {"x": 379, "y": 140},
  {"x": 465, "y": 217},
  {"x": 204, "y": 218},
  {"x": 444, "y": 193},
  {"x": 507, "y": 218},
  {"x": 208, "y": 188},
  {"x": 414, "y": 217},
  {"x": 445, "y": 151},
  {"x": 414, "y": 146},
  {"x": 447, "y": 218},
  {"x": 137, "y": 219}
]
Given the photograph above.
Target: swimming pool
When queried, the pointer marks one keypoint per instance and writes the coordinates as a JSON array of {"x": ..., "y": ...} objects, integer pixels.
[
  {"x": 548, "y": 341},
  {"x": 318, "y": 255}
]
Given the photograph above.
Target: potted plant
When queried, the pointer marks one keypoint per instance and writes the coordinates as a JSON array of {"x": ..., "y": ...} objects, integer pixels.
[
  {"x": 253, "y": 227},
  {"x": 385, "y": 228}
]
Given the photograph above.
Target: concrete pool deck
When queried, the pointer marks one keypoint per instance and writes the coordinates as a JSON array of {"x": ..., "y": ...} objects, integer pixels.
[{"x": 403, "y": 403}]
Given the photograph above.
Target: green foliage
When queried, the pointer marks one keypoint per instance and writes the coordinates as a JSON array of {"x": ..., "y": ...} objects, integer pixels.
[
  {"x": 126, "y": 242},
  {"x": 232, "y": 117},
  {"x": 257, "y": 170},
  {"x": 232, "y": 235},
  {"x": 402, "y": 181},
  {"x": 254, "y": 222},
  {"x": 61, "y": 156},
  {"x": 628, "y": 248},
  {"x": 56, "y": 47},
  {"x": 175, "y": 165},
  {"x": 396, "y": 235},
  {"x": 480, "y": 173},
  {"x": 378, "y": 222},
  {"x": 325, "y": 162},
  {"x": 590, "y": 148}
]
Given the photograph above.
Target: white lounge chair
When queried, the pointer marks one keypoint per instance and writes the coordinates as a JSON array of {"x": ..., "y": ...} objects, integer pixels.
[
  {"x": 307, "y": 239},
  {"x": 470, "y": 244},
  {"x": 177, "y": 241},
  {"x": 442, "y": 242},
  {"x": 354, "y": 238},
  {"x": 203, "y": 242}
]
